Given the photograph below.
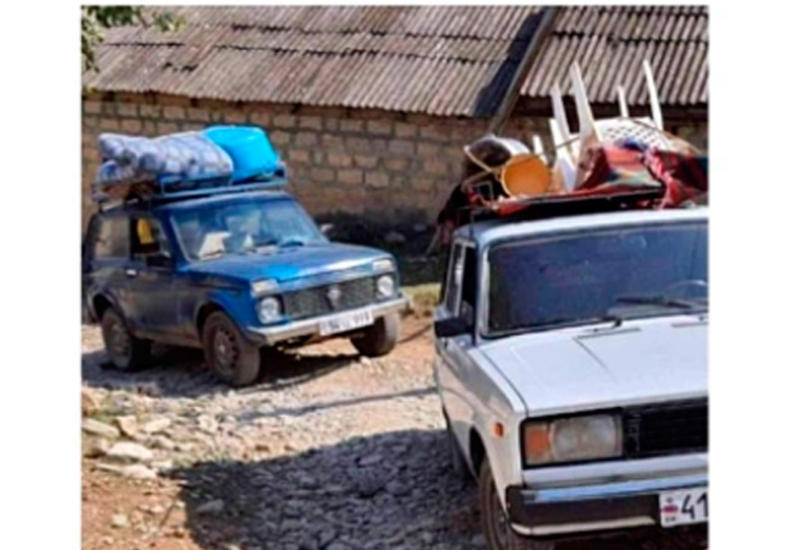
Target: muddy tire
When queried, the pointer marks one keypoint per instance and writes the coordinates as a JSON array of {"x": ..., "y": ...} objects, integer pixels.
[
  {"x": 125, "y": 351},
  {"x": 380, "y": 338},
  {"x": 228, "y": 354},
  {"x": 494, "y": 522}
]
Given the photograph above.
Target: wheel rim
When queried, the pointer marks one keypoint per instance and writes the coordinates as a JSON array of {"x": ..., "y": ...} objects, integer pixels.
[
  {"x": 118, "y": 341},
  {"x": 225, "y": 350}
]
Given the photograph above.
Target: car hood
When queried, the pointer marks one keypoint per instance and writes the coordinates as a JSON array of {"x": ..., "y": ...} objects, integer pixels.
[
  {"x": 578, "y": 369},
  {"x": 290, "y": 263}
]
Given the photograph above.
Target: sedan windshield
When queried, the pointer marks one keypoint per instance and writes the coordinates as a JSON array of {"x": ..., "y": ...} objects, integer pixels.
[
  {"x": 583, "y": 278},
  {"x": 250, "y": 226}
]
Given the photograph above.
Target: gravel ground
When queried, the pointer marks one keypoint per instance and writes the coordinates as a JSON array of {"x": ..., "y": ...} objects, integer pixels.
[{"x": 327, "y": 450}]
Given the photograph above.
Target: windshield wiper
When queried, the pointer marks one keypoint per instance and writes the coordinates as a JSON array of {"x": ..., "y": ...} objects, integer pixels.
[
  {"x": 291, "y": 242},
  {"x": 657, "y": 300},
  {"x": 559, "y": 323},
  {"x": 211, "y": 255}
]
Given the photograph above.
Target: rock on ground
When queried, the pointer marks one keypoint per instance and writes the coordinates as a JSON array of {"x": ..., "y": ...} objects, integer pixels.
[
  {"x": 324, "y": 451},
  {"x": 95, "y": 427},
  {"x": 90, "y": 403},
  {"x": 128, "y": 451}
]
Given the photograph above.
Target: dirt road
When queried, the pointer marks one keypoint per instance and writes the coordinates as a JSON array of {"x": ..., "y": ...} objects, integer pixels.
[{"x": 328, "y": 450}]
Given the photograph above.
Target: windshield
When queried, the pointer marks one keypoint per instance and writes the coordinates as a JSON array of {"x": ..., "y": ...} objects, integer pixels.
[
  {"x": 582, "y": 278},
  {"x": 252, "y": 226}
]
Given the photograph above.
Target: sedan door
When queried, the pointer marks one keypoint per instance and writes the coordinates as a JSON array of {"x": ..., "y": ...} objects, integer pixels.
[{"x": 453, "y": 364}]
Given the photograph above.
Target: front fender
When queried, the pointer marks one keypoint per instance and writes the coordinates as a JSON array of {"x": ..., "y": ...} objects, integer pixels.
[
  {"x": 494, "y": 401},
  {"x": 236, "y": 304},
  {"x": 91, "y": 298}
]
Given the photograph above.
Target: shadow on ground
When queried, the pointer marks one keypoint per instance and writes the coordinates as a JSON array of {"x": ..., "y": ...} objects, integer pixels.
[
  {"x": 181, "y": 372},
  {"x": 391, "y": 490}
]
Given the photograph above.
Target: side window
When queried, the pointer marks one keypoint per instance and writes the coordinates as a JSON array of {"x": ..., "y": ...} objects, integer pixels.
[
  {"x": 445, "y": 274},
  {"x": 461, "y": 282},
  {"x": 111, "y": 238},
  {"x": 468, "y": 285},
  {"x": 454, "y": 273},
  {"x": 146, "y": 237}
]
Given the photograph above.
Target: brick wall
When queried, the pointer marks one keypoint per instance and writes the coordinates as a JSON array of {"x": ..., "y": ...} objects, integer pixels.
[{"x": 394, "y": 168}]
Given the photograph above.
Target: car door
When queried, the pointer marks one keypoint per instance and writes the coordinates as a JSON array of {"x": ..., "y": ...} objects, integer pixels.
[
  {"x": 151, "y": 279},
  {"x": 106, "y": 256},
  {"x": 453, "y": 364}
]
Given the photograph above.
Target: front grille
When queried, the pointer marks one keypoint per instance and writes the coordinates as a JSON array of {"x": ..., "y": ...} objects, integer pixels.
[
  {"x": 311, "y": 302},
  {"x": 666, "y": 429}
]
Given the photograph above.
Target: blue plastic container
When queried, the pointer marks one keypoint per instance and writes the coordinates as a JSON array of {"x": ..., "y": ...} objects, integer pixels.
[{"x": 250, "y": 149}]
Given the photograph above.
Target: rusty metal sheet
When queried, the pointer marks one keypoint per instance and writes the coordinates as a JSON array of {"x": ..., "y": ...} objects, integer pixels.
[
  {"x": 432, "y": 59},
  {"x": 610, "y": 44},
  {"x": 444, "y": 60}
]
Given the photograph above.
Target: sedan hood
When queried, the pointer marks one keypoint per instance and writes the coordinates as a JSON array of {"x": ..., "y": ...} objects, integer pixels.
[
  {"x": 290, "y": 263},
  {"x": 577, "y": 369}
]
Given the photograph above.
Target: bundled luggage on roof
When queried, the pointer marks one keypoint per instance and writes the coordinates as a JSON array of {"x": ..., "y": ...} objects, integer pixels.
[
  {"x": 616, "y": 163},
  {"x": 217, "y": 159}
]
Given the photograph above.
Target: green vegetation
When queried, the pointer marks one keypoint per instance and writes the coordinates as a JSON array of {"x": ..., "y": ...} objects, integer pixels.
[
  {"x": 96, "y": 19},
  {"x": 424, "y": 297}
]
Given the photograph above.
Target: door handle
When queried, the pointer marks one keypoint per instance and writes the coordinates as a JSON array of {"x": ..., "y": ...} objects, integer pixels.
[{"x": 131, "y": 273}]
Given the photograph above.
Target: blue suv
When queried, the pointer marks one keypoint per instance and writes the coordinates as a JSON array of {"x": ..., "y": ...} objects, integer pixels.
[{"x": 231, "y": 273}]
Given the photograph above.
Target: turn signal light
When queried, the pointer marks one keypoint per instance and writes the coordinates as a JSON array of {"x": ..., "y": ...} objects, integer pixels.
[
  {"x": 537, "y": 442},
  {"x": 499, "y": 429}
]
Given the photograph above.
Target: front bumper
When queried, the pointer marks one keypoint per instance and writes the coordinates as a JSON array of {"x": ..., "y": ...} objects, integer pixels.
[
  {"x": 310, "y": 327},
  {"x": 616, "y": 505}
]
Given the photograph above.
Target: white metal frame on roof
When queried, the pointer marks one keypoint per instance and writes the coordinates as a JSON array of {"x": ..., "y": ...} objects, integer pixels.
[{"x": 649, "y": 130}]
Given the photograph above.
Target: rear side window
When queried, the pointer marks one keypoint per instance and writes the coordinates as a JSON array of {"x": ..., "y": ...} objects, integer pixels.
[
  {"x": 146, "y": 237},
  {"x": 112, "y": 238}
]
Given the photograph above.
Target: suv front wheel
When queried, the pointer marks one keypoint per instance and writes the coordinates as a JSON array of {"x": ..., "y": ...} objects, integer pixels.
[
  {"x": 228, "y": 354},
  {"x": 125, "y": 351},
  {"x": 380, "y": 338}
]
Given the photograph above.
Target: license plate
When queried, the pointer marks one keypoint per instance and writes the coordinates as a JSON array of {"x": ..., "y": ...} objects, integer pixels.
[
  {"x": 345, "y": 322},
  {"x": 682, "y": 507}
]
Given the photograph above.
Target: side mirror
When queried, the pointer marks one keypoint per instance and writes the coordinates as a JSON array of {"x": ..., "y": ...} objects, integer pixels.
[
  {"x": 158, "y": 259},
  {"x": 452, "y": 326}
]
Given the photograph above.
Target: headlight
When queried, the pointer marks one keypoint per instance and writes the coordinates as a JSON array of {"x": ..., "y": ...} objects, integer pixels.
[
  {"x": 385, "y": 286},
  {"x": 572, "y": 439},
  {"x": 269, "y": 309},
  {"x": 264, "y": 287},
  {"x": 382, "y": 265}
]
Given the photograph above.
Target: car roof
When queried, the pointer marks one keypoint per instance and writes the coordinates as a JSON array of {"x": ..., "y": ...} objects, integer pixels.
[
  {"x": 499, "y": 229},
  {"x": 143, "y": 206}
]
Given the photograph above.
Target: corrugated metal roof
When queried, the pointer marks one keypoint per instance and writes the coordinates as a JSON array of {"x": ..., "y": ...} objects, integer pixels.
[
  {"x": 431, "y": 59},
  {"x": 610, "y": 43},
  {"x": 442, "y": 60}
]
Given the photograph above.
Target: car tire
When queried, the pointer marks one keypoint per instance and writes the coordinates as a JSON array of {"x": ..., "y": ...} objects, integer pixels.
[
  {"x": 125, "y": 351},
  {"x": 494, "y": 522},
  {"x": 380, "y": 338},
  {"x": 228, "y": 354},
  {"x": 459, "y": 463}
]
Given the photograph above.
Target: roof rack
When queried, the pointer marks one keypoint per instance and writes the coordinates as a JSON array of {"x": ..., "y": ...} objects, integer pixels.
[
  {"x": 552, "y": 206},
  {"x": 169, "y": 190}
]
